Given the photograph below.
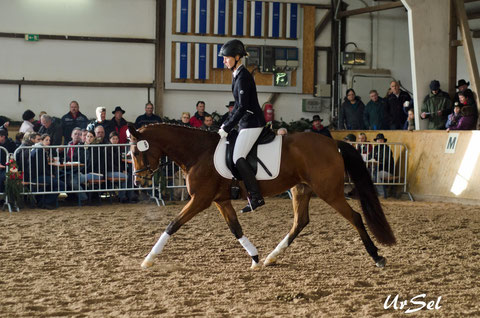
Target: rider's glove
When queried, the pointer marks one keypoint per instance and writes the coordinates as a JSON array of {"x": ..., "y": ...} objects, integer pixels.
[{"x": 222, "y": 133}]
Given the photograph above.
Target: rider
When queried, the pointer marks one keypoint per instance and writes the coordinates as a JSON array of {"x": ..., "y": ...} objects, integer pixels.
[{"x": 247, "y": 114}]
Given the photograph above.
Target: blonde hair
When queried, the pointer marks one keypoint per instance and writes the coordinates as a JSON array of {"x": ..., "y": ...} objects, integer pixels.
[{"x": 186, "y": 113}]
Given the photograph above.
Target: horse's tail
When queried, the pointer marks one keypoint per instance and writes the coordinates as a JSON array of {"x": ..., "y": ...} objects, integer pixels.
[{"x": 355, "y": 167}]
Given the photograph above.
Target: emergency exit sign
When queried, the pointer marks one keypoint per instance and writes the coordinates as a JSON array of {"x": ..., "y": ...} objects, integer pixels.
[{"x": 31, "y": 37}]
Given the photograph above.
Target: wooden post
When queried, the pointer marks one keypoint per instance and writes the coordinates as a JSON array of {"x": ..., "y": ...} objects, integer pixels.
[
  {"x": 308, "y": 48},
  {"x": 160, "y": 56},
  {"x": 470, "y": 58},
  {"x": 452, "y": 59}
]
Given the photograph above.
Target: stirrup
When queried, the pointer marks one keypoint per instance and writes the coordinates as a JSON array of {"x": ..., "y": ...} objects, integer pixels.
[{"x": 252, "y": 205}]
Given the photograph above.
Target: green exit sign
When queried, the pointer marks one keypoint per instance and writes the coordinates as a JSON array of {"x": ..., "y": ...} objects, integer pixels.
[{"x": 31, "y": 37}]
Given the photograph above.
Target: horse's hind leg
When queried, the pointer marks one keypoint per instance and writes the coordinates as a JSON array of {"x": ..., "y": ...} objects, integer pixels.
[
  {"x": 228, "y": 212},
  {"x": 341, "y": 205},
  {"x": 301, "y": 195}
]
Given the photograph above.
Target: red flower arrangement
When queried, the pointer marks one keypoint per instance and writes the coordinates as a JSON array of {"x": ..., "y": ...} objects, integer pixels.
[{"x": 14, "y": 183}]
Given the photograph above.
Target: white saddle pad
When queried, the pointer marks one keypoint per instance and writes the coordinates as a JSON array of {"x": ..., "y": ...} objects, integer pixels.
[{"x": 270, "y": 154}]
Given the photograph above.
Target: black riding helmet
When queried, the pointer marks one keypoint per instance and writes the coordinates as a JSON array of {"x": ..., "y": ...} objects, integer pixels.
[{"x": 233, "y": 48}]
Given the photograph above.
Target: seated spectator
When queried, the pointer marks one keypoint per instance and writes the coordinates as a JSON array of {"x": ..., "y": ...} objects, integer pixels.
[
  {"x": 199, "y": 116},
  {"x": 230, "y": 107},
  {"x": 185, "y": 119},
  {"x": 350, "y": 138},
  {"x": 410, "y": 122},
  {"x": 73, "y": 119},
  {"x": 93, "y": 168},
  {"x": 148, "y": 118},
  {"x": 52, "y": 128},
  {"x": 100, "y": 133},
  {"x": 208, "y": 124},
  {"x": 318, "y": 128},
  {"x": 120, "y": 124},
  {"x": 18, "y": 139},
  {"x": 454, "y": 117},
  {"x": 468, "y": 120},
  {"x": 364, "y": 149},
  {"x": 75, "y": 139},
  {"x": 28, "y": 120},
  {"x": 385, "y": 163},
  {"x": 84, "y": 135},
  {"x": 395, "y": 115},
  {"x": 101, "y": 114},
  {"x": 351, "y": 112},
  {"x": 373, "y": 116},
  {"x": 38, "y": 124},
  {"x": 282, "y": 131},
  {"x": 9, "y": 145},
  {"x": 436, "y": 108},
  {"x": 74, "y": 179},
  {"x": 117, "y": 169},
  {"x": 5, "y": 125},
  {"x": 23, "y": 154}
]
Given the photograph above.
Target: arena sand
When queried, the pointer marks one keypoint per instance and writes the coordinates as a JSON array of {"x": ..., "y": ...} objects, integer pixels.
[{"x": 85, "y": 262}]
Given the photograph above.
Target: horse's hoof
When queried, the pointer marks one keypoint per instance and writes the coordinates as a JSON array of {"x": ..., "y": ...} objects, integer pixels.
[
  {"x": 381, "y": 262},
  {"x": 270, "y": 261},
  {"x": 255, "y": 266},
  {"x": 147, "y": 264}
]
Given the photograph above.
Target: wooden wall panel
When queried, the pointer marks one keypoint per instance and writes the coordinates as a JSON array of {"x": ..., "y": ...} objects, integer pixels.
[{"x": 308, "y": 49}]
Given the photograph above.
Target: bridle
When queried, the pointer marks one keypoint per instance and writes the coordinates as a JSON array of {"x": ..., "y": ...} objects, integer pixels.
[{"x": 147, "y": 168}]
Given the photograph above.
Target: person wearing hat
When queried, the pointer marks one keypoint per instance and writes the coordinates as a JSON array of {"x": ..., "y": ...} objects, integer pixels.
[
  {"x": 247, "y": 114},
  {"x": 466, "y": 117},
  {"x": 462, "y": 86},
  {"x": 225, "y": 116},
  {"x": 149, "y": 117},
  {"x": 384, "y": 159},
  {"x": 120, "y": 124},
  {"x": 318, "y": 128},
  {"x": 74, "y": 118},
  {"x": 436, "y": 108},
  {"x": 28, "y": 119},
  {"x": 350, "y": 138}
]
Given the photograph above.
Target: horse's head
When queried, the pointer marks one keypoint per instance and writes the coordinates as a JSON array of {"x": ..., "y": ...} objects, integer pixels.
[{"x": 145, "y": 158}]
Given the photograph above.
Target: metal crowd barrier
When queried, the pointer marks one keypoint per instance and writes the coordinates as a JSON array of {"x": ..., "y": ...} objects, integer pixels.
[
  {"x": 387, "y": 163},
  {"x": 174, "y": 180},
  {"x": 79, "y": 169}
]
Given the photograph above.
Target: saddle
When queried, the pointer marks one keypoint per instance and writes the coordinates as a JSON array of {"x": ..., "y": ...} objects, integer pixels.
[{"x": 266, "y": 136}]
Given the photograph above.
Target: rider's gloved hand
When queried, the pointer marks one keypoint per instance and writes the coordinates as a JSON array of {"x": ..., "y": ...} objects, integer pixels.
[{"x": 222, "y": 133}]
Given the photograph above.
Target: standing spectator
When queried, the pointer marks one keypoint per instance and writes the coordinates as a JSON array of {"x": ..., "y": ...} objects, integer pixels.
[
  {"x": 199, "y": 116},
  {"x": 436, "y": 108},
  {"x": 208, "y": 124},
  {"x": 454, "y": 117},
  {"x": 38, "y": 124},
  {"x": 351, "y": 113},
  {"x": 395, "y": 114},
  {"x": 410, "y": 122},
  {"x": 51, "y": 127},
  {"x": 373, "y": 116},
  {"x": 120, "y": 124},
  {"x": 28, "y": 120},
  {"x": 185, "y": 119},
  {"x": 73, "y": 119},
  {"x": 468, "y": 119},
  {"x": 8, "y": 144},
  {"x": 225, "y": 116},
  {"x": 318, "y": 128},
  {"x": 462, "y": 86},
  {"x": 101, "y": 114},
  {"x": 148, "y": 118}
]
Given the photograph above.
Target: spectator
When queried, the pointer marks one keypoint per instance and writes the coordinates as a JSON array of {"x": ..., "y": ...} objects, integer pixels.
[
  {"x": 373, "y": 116},
  {"x": 120, "y": 124},
  {"x": 116, "y": 169},
  {"x": 225, "y": 116},
  {"x": 148, "y": 118},
  {"x": 9, "y": 145},
  {"x": 38, "y": 124},
  {"x": 350, "y": 138},
  {"x": 364, "y": 148},
  {"x": 467, "y": 120},
  {"x": 73, "y": 119},
  {"x": 410, "y": 122},
  {"x": 74, "y": 178},
  {"x": 18, "y": 139},
  {"x": 199, "y": 116},
  {"x": 440, "y": 93},
  {"x": 52, "y": 128},
  {"x": 100, "y": 134},
  {"x": 101, "y": 114},
  {"x": 436, "y": 108},
  {"x": 5, "y": 125},
  {"x": 75, "y": 139},
  {"x": 23, "y": 154},
  {"x": 208, "y": 124},
  {"x": 282, "y": 131},
  {"x": 28, "y": 120},
  {"x": 185, "y": 119},
  {"x": 386, "y": 166},
  {"x": 84, "y": 135},
  {"x": 351, "y": 112},
  {"x": 462, "y": 87},
  {"x": 318, "y": 128},
  {"x": 395, "y": 115}
]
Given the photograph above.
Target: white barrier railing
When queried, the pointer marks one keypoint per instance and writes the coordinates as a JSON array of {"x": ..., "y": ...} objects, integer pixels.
[
  {"x": 78, "y": 169},
  {"x": 174, "y": 180},
  {"x": 387, "y": 163}
]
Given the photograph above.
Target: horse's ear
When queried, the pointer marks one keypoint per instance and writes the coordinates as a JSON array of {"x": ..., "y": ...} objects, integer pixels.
[{"x": 133, "y": 131}]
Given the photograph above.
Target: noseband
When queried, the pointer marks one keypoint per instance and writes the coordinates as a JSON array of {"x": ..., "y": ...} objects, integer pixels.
[{"x": 147, "y": 168}]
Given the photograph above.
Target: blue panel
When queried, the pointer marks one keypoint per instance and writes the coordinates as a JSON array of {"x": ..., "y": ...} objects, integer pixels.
[
  {"x": 276, "y": 20},
  {"x": 202, "y": 61},
  {"x": 240, "y": 14},
  {"x": 293, "y": 20},
  {"x": 183, "y": 59},
  {"x": 258, "y": 19},
  {"x": 203, "y": 17},
  {"x": 184, "y": 16},
  {"x": 221, "y": 17},
  {"x": 219, "y": 58}
]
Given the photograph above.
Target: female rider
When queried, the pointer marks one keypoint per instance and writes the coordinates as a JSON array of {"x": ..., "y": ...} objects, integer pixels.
[{"x": 247, "y": 114}]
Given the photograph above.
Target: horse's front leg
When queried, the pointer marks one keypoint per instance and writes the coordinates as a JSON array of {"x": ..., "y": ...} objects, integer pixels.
[
  {"x": 192, "y": 208},
  {"x": 228, "y": 212}
]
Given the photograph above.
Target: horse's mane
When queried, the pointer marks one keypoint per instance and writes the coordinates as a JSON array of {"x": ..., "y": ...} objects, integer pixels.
[{"x": 173, "y": 125}]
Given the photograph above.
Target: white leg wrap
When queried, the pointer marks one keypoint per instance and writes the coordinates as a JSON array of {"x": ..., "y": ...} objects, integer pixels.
[
  {"x": 281, "y": 246},
  {"x": 251, "y": 250},
  {"x": 158, "y": 247}
]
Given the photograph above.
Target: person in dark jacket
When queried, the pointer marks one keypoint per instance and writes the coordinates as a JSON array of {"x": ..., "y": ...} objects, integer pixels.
[
  {"x": 318, "y": 128},
  {"x": 248, "y": 114},
  {"x": 468, "y": 119},
  {"x": 373, "y": 116},
  {"x": 148, "y": 118},
  {"x": 53, "y": 128},
  {"x": 101, "y": 115},
  {"x": 462, "y": 86},
  {"x": 199, "y": 116},
  {"x": 119, "y": 124},
  {"x": 10, "y": 146},
  {"x": 225, "y": 116},
  {"x": 74, "y": 118},
  {"x": 436, "y": 108},
  {"x": 185, "y": 119},
  {"x": 351, "y": 112},
  {"x": 386, "y": 165},
  {"x": 396, "y": 115}
]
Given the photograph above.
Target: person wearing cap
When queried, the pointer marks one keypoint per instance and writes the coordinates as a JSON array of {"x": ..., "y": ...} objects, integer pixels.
[
  {"x": 386, "y": 165},
  {"x": 351, "y": 112},
  {"x": 350, "y": 138},
  {"x": 225, "y": 116},
  {"x": 318, "y": 128},
  {"x": 148, "y": 118},
  {"x": 248, "y": 114},
  {"x": 373, "y": 116},
  {"x": 74, "y": 118},
  {"x": 396, "y": 115},
  {"x": 28, "y": 119},
  {"x": 436, "y": 108},
  {"x": 120, "y": 125}
]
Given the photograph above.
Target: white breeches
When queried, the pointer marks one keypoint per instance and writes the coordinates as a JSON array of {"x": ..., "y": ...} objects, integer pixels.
[{"x": 245, "y": 141}]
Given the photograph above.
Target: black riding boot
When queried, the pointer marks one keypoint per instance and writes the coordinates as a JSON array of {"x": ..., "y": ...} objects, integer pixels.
[{"x": 254, "y": 197}]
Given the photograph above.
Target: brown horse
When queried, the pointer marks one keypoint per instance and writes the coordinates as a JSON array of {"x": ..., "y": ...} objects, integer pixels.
[{"x": 310, "y": 163}]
